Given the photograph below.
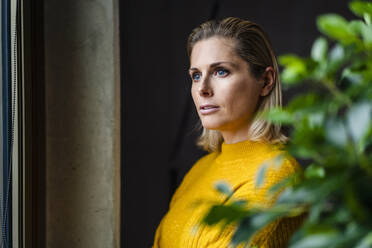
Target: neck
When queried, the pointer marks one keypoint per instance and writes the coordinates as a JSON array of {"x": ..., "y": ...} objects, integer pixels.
[
  {"x": 234, "y": 136},
  {"x": 239, "y": 150}
]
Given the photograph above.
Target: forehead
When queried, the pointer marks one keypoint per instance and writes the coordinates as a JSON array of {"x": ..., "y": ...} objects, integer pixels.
[{"x": 215, "y": 49}]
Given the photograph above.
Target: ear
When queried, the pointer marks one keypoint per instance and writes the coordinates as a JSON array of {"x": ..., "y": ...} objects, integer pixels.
[{"x": 268, "y": 78}]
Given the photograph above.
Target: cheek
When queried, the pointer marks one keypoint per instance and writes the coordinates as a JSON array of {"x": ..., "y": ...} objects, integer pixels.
[
  {"x": 193, "y": 94},
  {"x": 242, "y": 97}
]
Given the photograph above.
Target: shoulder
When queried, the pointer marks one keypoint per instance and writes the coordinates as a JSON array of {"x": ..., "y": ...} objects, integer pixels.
[
  {"x": 272, "y": 168},
  {"x": 206, "y": 159},
  {"x": 277, "y": 157},
  {"x": 278, "y": 169},
  {"x": 279, "y": 165},
  {"x": 201, "y": 165},
  {"x": 273, "y": 161}
]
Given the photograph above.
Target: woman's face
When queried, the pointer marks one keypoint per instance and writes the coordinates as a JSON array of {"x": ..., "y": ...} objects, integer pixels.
[{"x": 224, "y": 91}]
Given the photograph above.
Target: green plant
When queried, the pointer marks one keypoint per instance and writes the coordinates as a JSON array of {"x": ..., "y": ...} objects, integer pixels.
[{"x": 332, "y": 129}]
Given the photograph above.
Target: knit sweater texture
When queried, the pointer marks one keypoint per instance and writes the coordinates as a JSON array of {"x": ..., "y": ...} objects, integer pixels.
[{"x": 238, "y": 165}]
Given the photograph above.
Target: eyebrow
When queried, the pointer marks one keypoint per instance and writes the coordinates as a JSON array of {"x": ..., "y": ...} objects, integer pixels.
[{"x": 217, "y": 64}]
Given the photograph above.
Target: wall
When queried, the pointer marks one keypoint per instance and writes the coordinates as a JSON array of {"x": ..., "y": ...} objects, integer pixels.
[{"x": 82, "y": 122}]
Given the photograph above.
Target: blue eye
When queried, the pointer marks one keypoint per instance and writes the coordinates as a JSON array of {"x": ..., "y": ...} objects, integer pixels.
[
  {"x": 222, "y": 72},
  {"x": 196, "y": 76}
]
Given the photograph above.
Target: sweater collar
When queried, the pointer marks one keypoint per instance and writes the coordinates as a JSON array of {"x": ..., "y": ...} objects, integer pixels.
[{"x": 239, "y": 150}]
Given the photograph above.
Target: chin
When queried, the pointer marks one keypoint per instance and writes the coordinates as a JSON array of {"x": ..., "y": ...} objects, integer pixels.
[{"x": 212, "y": 125}]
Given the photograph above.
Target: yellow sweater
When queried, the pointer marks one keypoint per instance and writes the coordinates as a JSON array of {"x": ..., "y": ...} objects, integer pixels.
[{"x": 238, "y": 165}]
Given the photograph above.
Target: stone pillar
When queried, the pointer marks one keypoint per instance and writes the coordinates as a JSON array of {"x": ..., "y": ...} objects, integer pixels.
[{"x": 83, "y": 123}]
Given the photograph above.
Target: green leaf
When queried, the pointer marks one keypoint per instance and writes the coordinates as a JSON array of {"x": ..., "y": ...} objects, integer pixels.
[
  {"x": 279, "y": 116},
  {"x": 367, "y": 19},
  {"x": 262, "y": 219},
  {"x": 319, "y": 49},
  {"x": 336, "y": 132},
  {"x": 353, "y": 203},
  {"x": 296, "y": 196},
  {"x": 359, "y": 120},
  {"x": 314, "y": 171},
  {"x": 360, "y": 8},
  {"x": 261, "y": 174},
  {"x": 279, "y": 186},
  {"x": 336, "y": 27},
  {"x": 364, "y": 31},
  {"x": 290, "y": 75},
  {"x": 250, "y": 224},
  {"x": 244, "y": 232},
  {"x": 321, "y": 240},
  {"x": 224, "y": 213},
  {"x": 315, "y": 212},
  {"x": 304, "y": 102},
  {"x": 353, "y": 77},
  {"x": 240, "y": 203},
  {"x": 316, "y": 119},
  {"x": 336, "y": 57},
  {"x": 223, "y": 188},
  {"x": 294, "y": 68},
  {"x": 278, "y": 161},
  {"x": 366, "y": 242}
]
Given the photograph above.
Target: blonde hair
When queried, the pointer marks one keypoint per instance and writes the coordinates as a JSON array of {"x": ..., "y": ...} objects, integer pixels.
[{"x": 253, "y": 45}]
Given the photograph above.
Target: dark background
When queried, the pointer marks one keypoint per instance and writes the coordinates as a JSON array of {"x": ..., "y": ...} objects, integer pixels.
[{"x": 158, "y": 116}]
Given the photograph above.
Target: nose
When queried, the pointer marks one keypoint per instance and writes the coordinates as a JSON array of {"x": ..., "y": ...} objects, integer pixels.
[{"x": 205, "y": 88}]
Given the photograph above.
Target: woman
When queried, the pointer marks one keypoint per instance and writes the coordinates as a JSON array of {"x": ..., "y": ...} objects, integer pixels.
[{"x": 234, "y": 76}]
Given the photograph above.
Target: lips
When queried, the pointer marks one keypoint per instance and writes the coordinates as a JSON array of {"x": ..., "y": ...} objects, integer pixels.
[{"x": 208, "y": 109}]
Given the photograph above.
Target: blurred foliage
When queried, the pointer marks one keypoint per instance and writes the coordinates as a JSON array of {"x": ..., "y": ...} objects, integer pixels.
[{"x": 332, "y": 129}]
